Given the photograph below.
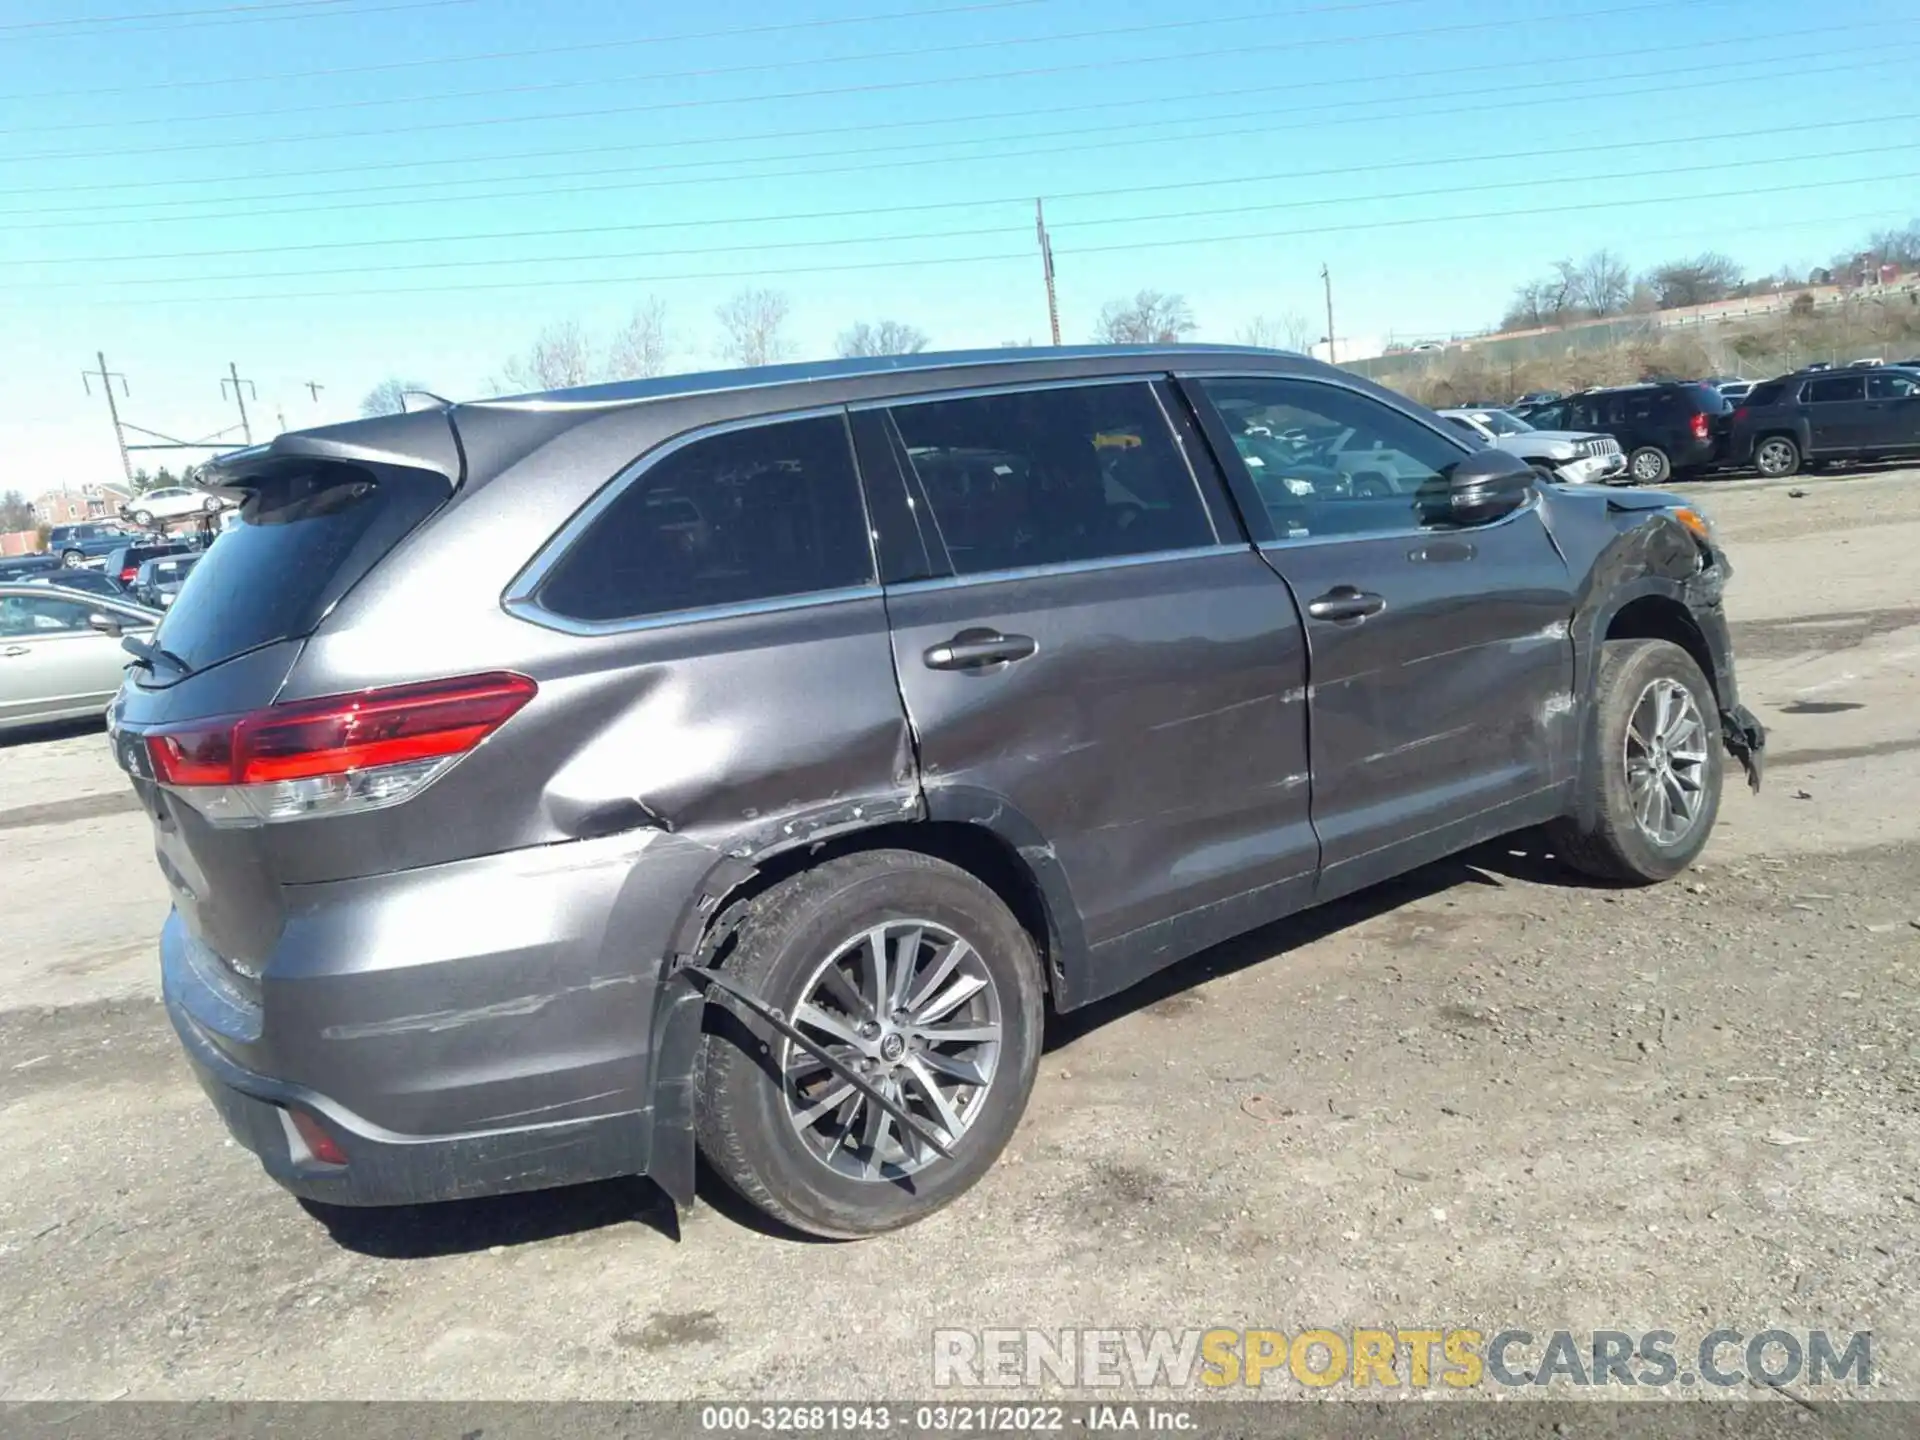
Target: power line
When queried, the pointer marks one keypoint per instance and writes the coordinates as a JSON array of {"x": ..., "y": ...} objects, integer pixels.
[
  {"x": 232, "y": 20},
  {"x": 1292, "y": 202},
  {"x": 875, "y": 87},
  {"x": 166, "y": 14},
  {"x": 119, "y": 188},
  {"x": 594, "y": 46},
  {"x": 923, "y": 207},
  {"x": 1023, "y": 254},
  {"x": 1264, "y": 17}
]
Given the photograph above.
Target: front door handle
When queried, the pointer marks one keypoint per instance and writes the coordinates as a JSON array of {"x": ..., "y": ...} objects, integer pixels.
[
  {"x": 977, "y": 649},
  {"x": 1344, "y": 602}
]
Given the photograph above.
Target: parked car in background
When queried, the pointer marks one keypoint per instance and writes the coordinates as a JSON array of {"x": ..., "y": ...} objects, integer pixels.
[
  {"x": 1564, "y": 455},
  {"x": 1537, "y": 397},
  {"x": 157, "y": 581},
  {"x": 75, "y": 545},
  {"x": 1734, "y": 391},
  {"x": 124, "y": 563},
  {"x": 1666, "y": 427},
  {"x": 60, "y": 652},
  {"x": 170, "y": 502},
  {"x": 744, "y": 764},
  {"x": 23, "y": 567},
  {"x": 1862, "y": 412},
  {"x": 85, "y": 581}
]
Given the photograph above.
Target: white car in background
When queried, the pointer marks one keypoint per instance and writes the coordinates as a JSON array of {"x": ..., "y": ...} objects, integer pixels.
[
  {"x": 171, "y": 502},
  {"x": 1572, "y": 456}
]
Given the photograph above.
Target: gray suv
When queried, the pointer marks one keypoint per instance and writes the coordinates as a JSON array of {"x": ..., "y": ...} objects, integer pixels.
[{"x": 553, "y": 788}]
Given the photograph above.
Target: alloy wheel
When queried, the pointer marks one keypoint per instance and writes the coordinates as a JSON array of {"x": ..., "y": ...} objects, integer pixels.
[
  {"x": 912, "y": 1007},
  {"x": 1775, "y": 458},
  {"x": 1666, "y": 761}
]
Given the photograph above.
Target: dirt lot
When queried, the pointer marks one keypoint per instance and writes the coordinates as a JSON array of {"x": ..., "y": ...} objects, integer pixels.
[{"x": 1482, "y": 1096}]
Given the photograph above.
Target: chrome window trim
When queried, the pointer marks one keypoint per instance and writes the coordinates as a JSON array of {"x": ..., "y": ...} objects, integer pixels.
[
  {"x": 519, "y": 599},
  {"x": 1064, "y": 567},
  {"x": 1013, "y": 387}
]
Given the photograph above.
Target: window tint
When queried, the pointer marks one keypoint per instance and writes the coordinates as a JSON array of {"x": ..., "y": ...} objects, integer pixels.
[
  {"x": 1769, "y": 393},
  {"x": 1887, "y": 385},
  {"x": 1327, "y": 461},
  {"x": 1045, "y": 477},
  {"x": 28, "y": 615},
  {"x": 1836, "y": 389},
  {"x": 751, "y": 514},
  {"x": 1708, "y": 400}
]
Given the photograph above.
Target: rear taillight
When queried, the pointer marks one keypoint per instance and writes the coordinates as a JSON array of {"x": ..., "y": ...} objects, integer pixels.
[
  {"x": 340, "y": 752},
  {"x": 1701, "y": 428},
  {"x": 126, "y": 575},
  {"x": 1740, "y": 414}
]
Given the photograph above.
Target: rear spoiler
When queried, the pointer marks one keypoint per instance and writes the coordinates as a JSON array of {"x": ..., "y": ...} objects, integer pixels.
[{"x": 421, "y": 440}]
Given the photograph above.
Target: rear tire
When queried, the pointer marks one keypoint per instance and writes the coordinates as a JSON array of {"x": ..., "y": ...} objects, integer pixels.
[
  {"x": 827, "y": 1176},
  {"x": 1649, "y": 465},
  {"x": 1641, "y": 764},
  {"x": 1776, "y": 457},
  {"x": 143, "y": 518},
  {"x": 71, "y": 559}
]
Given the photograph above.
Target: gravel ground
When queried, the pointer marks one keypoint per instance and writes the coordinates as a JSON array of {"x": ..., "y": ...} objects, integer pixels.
[{"x": 1484, "y": 1095}]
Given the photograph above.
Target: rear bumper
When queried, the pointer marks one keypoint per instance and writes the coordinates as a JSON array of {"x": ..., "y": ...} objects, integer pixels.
[
  {"x": 388, "y": 1169},
  {"x": 467, "y": 1029}
]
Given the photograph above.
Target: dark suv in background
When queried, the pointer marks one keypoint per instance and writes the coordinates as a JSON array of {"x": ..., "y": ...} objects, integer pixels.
[
  {"x": 1860, "y": 413},
  {"x": 744, "y": 761},
  {"x": 1666, "y": 427}
]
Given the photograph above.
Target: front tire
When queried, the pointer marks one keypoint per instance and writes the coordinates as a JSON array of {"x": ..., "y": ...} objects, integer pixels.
[
  {"x": 1652, "y": 780},
  {"x": 1776, "y": 457},
  {"x": 71, "y": 559},
  {"x": 900, "y": 963},
  {"x": 1649, "y": 465}
]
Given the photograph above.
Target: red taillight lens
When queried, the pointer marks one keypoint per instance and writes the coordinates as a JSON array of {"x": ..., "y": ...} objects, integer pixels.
[
  {"x": 320, "y": 1145},
  {"x": 126, "y": 575},
  {"x": 339, "y": 733},
  {"x": 1701, "y": 426}
]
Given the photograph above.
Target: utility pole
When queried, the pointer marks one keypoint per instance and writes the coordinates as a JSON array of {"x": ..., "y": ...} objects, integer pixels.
[
  {"x": 1326, "y": 279},
  {"x": 107, "y": 377},
  {"x": 233, "y": 371},
  {"x": 1046, "y": 268},
  {"x": 314, "y": 387}
]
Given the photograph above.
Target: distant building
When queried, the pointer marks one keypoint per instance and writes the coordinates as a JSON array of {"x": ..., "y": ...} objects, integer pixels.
[{"x": 73, "y": 504}]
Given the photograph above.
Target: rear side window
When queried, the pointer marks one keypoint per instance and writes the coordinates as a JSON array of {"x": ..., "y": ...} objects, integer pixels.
[
  {"x": 1770, "y": 393},
  {"x": 303, "y": 538},
  {"x": 752, "y": 514},
  {"x": 1890, "y": 385},
  {"x": 1050, "y": 477},
  {"x": 1837, "y": 389}
]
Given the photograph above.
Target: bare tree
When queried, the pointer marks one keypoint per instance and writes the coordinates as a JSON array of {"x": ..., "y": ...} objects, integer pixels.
[
  {"x": 1286, "y": 331},
  {"x": 389, "y": 397},
  {"x": 1603, "y": 285},
  {"x": 15, "y": 512},
  {"x": 1152, "y": 317},
  {"x": 560, "y": 356},
  {"x": 1705, "y": 278},
  {"x": 640, "y": 348},
  {"x": 752, "y": 321},
  {"x": 889, "y": 337}
]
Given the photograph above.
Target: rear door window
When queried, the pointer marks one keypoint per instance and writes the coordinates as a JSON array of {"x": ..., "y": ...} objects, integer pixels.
[
  {"x": 766, "y": 512},
  {"x": 304, "y": 536},
  {"x": 1053, "y": 476},
  {"x": 1837, "y": 389},
  {"x": 1887, "y": 385}
]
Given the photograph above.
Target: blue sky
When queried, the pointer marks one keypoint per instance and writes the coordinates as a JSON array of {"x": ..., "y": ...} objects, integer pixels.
[{"x": 338, "y": 190}]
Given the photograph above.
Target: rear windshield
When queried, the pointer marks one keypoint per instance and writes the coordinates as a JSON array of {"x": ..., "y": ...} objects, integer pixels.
[
  {"x": 301, "y": 540},
  {"x": 1711, "y": 400}
]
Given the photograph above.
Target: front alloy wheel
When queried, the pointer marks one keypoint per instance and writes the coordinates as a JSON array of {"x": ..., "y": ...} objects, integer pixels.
[
  {"x": 910, "y": 1006},
  {"x": 1665, "y": 756}
]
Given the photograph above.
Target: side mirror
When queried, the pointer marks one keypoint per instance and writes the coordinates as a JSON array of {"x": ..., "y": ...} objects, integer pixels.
[
  {"x": 1484, "y": 486},
  {"x": 104, "y": 623}
]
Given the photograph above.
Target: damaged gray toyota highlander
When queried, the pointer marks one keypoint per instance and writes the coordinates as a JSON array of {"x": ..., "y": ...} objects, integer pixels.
[{"x": 558, "y": 787}]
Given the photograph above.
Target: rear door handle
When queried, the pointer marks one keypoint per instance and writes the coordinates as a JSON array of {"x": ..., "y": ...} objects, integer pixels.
[
  {"x": 1344, "y": 602},
  {"x": 977, "y": 649}
]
